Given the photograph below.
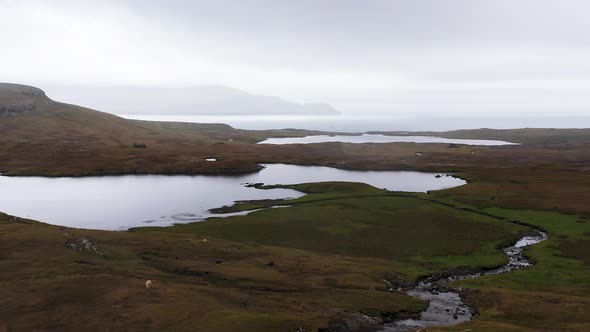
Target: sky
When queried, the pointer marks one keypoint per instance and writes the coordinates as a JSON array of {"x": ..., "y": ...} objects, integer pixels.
[{"x": 459, "y": 57}]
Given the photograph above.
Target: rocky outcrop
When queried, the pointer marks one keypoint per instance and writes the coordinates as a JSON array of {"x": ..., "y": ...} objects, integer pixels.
[
  {"x": 18, "y": 220},
  {"x": 83, "y": 245},
  {"x": 353, "y": 322},
  {"x": 24, "y": 90},
  {"x": 16, "y": 98},
  {"x": 394, "y": 283},
  {"x": 6, "y": 109}
]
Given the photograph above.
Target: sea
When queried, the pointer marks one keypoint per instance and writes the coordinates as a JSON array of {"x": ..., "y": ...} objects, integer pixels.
[{"x": 365, "y": 123}]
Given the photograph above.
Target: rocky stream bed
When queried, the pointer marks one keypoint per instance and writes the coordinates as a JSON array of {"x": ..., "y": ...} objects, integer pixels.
[{"x": 446, "y": 307}]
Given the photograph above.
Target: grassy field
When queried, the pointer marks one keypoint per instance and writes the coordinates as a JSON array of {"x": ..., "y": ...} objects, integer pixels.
[
  {"x": 272, "y": 270},
  {"x": 552, "y": 296},
  {"x": 217, "y": 285},
  {"x": 298, "y": 266},
  {"x": 361, "y": 221}
]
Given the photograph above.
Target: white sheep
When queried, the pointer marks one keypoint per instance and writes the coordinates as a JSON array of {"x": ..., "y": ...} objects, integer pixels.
[{"x": 148, "y": 284}]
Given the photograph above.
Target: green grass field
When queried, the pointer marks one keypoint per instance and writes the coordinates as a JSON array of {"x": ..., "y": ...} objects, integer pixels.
[
  {"x": 418, "y": 235},
  {"x": 361, "y": 221}
]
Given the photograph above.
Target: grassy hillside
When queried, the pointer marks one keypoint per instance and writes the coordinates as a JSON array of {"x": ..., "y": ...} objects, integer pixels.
[{"x": 52, "y": 138}]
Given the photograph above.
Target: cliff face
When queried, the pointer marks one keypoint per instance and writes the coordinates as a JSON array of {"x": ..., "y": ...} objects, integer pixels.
[{"x": 15, "y": 98}]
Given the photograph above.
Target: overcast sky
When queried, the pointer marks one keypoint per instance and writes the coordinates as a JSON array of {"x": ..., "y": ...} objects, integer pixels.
[{"x": 475, "y": 57}]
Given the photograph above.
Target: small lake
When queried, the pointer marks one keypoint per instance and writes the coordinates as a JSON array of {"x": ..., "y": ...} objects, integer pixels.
[
  {"x": 369, "y": 138},
  {"x": 121, "y": 202}
]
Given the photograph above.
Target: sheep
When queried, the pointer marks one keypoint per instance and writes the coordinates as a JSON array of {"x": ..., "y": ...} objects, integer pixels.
[{"x": 148, "y": 284}]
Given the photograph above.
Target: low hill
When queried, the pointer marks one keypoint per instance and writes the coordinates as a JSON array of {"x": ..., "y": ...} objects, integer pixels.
[
  {"x": 30, "y": 116},
  {"x": 43, "y": 137}
]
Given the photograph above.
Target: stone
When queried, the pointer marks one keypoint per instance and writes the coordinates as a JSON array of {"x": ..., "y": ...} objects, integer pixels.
[{"x": 83, "y": 245}]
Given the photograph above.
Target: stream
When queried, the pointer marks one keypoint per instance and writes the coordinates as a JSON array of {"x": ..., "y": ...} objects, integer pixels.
[{"x": 446, "y": 307}]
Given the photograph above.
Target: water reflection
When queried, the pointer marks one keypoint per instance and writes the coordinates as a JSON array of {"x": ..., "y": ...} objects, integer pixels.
[
  {"x": 368, "y": 138},
  {"x": 120, "y": 202}
]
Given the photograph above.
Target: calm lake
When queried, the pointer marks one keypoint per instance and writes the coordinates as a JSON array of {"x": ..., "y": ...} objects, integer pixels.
[
  {"x": 121, "y": 202},
  {"x": 368, "y": 138}
]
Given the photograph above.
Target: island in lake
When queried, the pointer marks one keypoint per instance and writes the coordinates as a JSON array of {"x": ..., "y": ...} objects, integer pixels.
[{"x": 238, "y": 235}]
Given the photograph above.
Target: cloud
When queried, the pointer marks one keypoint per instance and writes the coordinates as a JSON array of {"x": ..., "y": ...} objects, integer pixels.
[{"x": 359, "y": 55}]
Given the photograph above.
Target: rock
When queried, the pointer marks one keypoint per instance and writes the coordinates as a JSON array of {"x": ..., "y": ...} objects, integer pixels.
[
  {"x": 18, "y": 220},
  {"x": 353, "y": 322},
  {"x": 139, "y": 145},
  {"x": 393, "y": 283},
  {"x": 83, "y": 245},
  {"x": 21, "y": 99},
  {"x": 7, "y": 109}
]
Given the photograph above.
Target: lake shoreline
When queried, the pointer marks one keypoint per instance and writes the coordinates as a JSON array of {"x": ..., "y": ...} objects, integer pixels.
[
  {"x": 367, "y": 138},
  {"x": 162, "y": 200}
]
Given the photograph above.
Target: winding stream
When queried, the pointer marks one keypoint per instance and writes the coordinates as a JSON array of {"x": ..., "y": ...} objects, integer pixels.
[{"x": 446, "y": 307}]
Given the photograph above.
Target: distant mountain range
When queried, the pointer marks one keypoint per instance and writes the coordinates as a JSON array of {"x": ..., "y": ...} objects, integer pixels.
[{"x": 198, "y": 100}]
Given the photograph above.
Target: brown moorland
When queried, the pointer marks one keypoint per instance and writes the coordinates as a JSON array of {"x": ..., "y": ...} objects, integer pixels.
[{"x": 260, "y": 284}]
